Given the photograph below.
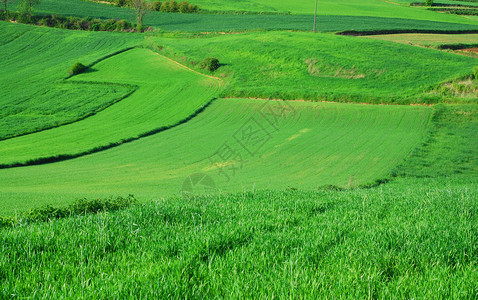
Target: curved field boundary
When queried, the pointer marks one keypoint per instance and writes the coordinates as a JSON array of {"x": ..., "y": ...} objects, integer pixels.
[
  {"x": 313, "y": 144},
  {"x": 166, "y": 97},
  {"x": 58, "y": 158},
  {"x": 104, "y": 58},
  {"x": 90, "y": 114}
]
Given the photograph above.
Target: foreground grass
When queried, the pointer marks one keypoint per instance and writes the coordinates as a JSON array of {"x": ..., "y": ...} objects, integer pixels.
[
  {"x": 241, "y": 144},
  {"x": 385, "y": 242}
]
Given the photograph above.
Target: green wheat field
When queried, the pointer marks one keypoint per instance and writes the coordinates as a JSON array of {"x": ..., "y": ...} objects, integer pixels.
[{"x": 234, "y": 153}]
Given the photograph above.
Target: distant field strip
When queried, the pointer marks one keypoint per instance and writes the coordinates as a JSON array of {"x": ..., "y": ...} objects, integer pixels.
[
  {"x": 333, "y": 16},
  {"x": 429, "y": 39},
  {"x": 305, "y": 145},
  {"x": 167, "y": 93}
]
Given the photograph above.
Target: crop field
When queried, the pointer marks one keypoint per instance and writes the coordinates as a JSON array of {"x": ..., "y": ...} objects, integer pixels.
[
  {"x": 331, "y": 145},
  {"x": 150, "y": 103},
  {"x": 333, "y": 16},
  {"x": 49, "y": 101},
  {"x": 234, "y": 153},
  {"x": 323, "y": 66}
]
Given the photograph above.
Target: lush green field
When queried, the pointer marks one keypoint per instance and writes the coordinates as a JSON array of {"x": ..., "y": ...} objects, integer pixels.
[
  {"x": 241, "y": 195},
  {"x": 33, "y": 95},
  {"x": 414, "y": 238},
  {"x": 333, "y": 16},
  {"x": 167, "y": 93},
  {"x": 240, "y": 145},
  {"x": 311, "y": 66}
]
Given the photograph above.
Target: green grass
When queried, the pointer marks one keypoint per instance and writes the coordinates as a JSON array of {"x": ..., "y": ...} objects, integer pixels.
[
  {"x": 322, "y": 66},
  {"x": 373, "y": 14},
  {"x": 451, "y": 148},
  {"x": 33, "y": 95},
  {"x": 167, "y": 93},
  {"x": 311, "y": 145},
  {"x": 409, "y": 239}
]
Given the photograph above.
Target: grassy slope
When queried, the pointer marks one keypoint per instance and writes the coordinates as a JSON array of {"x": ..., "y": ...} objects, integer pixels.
[
  {"x": 338, "y": 17},
  {"x": 34, "y": 63},
  {"x": 386, "y": 242},
  {"x": 321, "y": 143},
  {"x": 275, "y": 64},
  {"x": 452, "y": 147},
  {"x": 167, "y": 93}
]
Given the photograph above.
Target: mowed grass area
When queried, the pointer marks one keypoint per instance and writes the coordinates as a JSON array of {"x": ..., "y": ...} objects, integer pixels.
[
  {"x": 428, "y": 40},
  {"x": 333, "y": 16},
  {"x": 167, "y": 93},
  {"x": 293, "y": 65},
  {"x": 241, "y": 145},
  {"x": 33, "y": 95},
  {"x": 413, "y": 238}
]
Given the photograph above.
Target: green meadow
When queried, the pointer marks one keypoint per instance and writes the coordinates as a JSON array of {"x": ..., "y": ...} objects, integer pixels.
[
  {"x": 301, "y": 165},
  {"x": 333, "y": 16},
  {"x": 339, "y": 140}
]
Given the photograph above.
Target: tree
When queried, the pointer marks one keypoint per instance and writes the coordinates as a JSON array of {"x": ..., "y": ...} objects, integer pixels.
[
  {"x": 141, "y": 7},
  {"x": 26, "y": 6}
]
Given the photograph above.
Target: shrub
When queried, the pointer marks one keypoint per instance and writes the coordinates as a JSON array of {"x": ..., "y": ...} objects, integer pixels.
[
  {"x": 210, "y": 63},
  {"x": 429, "y": 2},
  {"x": 156, "y": 5},
  {"x": 475, "y": 73},
  {"x": 78, "y": 68}
]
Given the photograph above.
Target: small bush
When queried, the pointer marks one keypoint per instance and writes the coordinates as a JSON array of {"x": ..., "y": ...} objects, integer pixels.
[
  {"x": 78, "y": 68},
  {"x": 475, "y": 73},
  {"x": 156, "y": 5},
  {"x": 210, "y": 63},
  {"x": 428, "y": 2}
]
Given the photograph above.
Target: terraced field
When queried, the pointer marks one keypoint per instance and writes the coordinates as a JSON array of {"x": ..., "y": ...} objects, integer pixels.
[
  {"x": 35, "y": 61},
  {"x": 240, "y": 144},
  {"x": 166, "y": 94}
]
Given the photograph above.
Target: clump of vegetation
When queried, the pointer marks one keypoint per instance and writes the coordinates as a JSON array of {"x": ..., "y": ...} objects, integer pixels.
[
  {"x": 174, "y": 7},
  {"x": 77, "y": 68},
  {"x": 429, "y": 2},
  {"x": 72, "y": 23},
  {"x": 475, "y": 73},
  {"x": 210, "y": 63},
  {"x": 77, "y": 208}
]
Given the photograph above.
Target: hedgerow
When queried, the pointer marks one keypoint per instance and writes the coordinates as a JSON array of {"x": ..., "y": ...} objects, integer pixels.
[{"x": 72, "y": 23}]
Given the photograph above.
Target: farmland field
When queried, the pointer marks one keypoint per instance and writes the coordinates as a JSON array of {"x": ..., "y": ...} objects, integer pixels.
[
  {"x": 323, "y": 66},
  {"x": 317, "y": 143},
  {"x": 334, "y": 16},
  {"x": 233, "y": 153}
]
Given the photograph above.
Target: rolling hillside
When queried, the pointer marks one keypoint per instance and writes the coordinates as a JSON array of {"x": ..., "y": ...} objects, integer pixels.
[{"x": 240, "y": 144}]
